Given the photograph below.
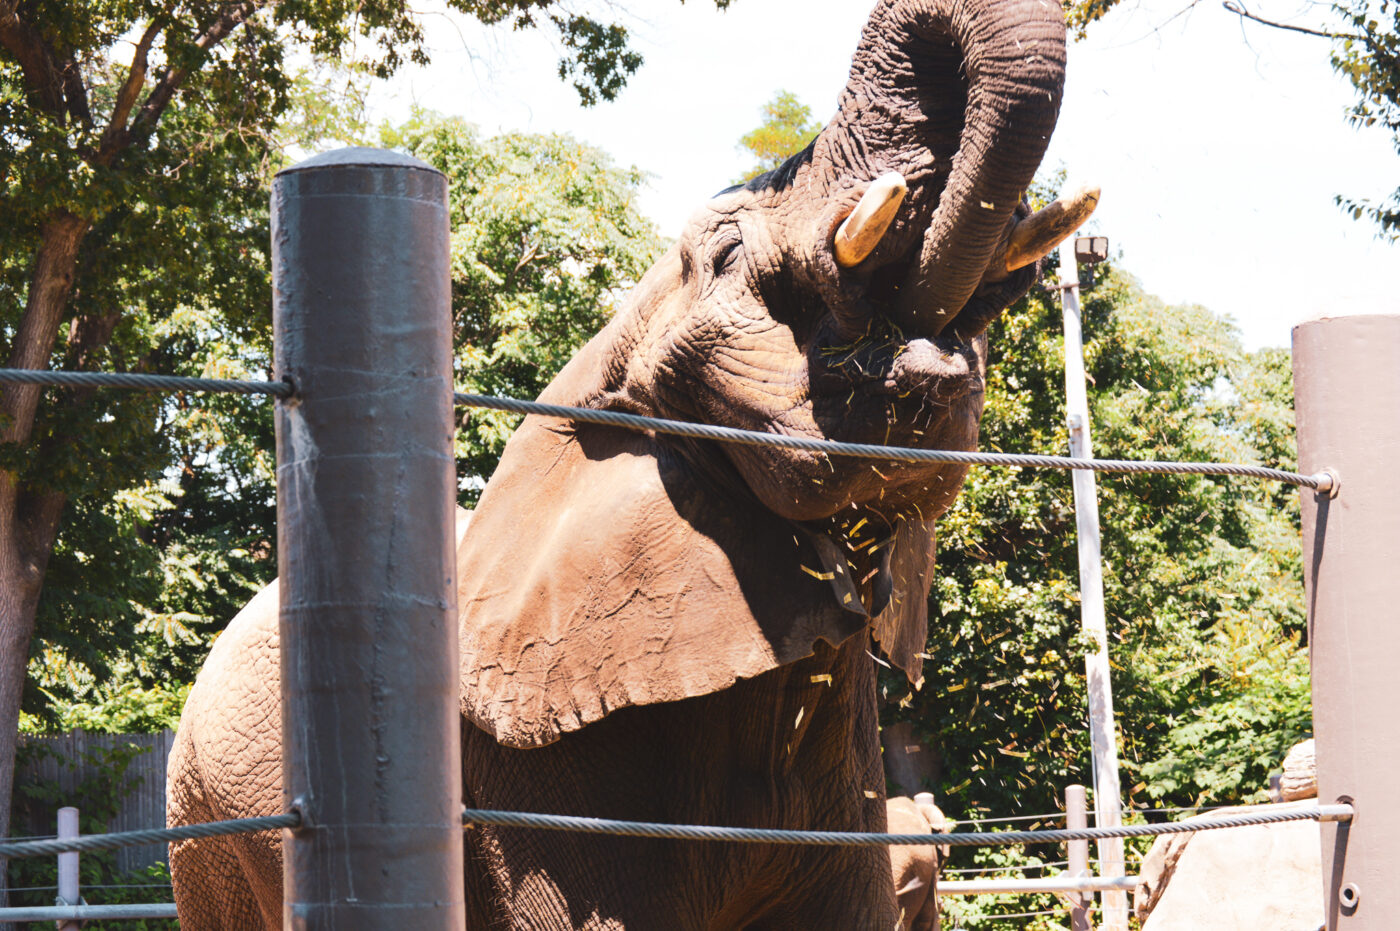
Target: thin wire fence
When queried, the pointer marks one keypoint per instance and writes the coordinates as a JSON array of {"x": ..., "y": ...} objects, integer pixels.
[
  {"x": 977, "y": 919},
  {"x": 1056, "y": 816},
  {"x": 1013, "y": 868}
]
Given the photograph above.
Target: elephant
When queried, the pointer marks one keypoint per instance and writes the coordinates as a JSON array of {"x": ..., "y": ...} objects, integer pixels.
[
  {"x": 673, "y": 630},
  {"x": 915, "y": 869}
]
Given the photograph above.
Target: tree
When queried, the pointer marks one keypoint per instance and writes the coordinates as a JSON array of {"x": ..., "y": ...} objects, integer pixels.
[
  {"x": 1365, "y": 50},
  {"x": 787, "y": 128},
  {"x": 546, "y": 238},
  {"x": 135, "y": 142},
  {"x": 1202, "y": 574}
]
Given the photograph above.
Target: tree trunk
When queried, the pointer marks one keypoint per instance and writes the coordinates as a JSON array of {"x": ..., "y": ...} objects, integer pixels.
[{"x": 28, "y": 521}]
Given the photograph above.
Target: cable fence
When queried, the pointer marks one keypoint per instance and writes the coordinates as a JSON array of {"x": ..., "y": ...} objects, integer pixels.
[
  {"x": 1010, "y": 868},
  {"x": 964, "y": 920},
  {"x": 140, "y": 382},
  {"x": 48, "y": 846},
  {"x": 119, "y": 839},
  {"x": 857, "y": 839},
  {"x": 1054, "y": 816},
  {"x": 285, "y": 389},
  {"x": 472, "y": 817},
  {"x": 1322, "y": 481}
]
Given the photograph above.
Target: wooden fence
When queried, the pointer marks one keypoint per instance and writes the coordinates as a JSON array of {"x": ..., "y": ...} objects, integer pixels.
[{"x": 67, "y": 766}]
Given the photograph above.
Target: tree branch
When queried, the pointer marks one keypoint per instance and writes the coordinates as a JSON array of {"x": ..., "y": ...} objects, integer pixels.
[
  {"x": 170, "y": 80},
  {"x": 75, "y": 93},
  {"x": 1240, "y": 11},
  {"x": 115, "y": 136},
  {"x": 35, "y": 58}
]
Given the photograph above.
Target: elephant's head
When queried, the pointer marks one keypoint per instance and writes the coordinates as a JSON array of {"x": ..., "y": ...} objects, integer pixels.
[{"x": 843, "y": 296}]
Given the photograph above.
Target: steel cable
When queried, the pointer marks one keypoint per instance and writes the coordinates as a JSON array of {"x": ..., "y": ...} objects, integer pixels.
[
  {"x": 115, "y": 841},
  {"x": 891, "y": 453},
  {"x": 282, "y": 389},
  {"x": 279, "y": 389},
  {"x": 516, "y": 819}
]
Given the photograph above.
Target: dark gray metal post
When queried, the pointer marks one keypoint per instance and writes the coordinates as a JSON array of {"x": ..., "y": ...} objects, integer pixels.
[
  {"x": 366, "y": 499},
  {"x": 1346, "y": 383}
]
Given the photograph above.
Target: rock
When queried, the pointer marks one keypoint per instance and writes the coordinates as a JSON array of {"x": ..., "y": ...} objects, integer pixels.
[
  {"x": 1299, "y": 779},
  {"x": 1265, "y": 877}
]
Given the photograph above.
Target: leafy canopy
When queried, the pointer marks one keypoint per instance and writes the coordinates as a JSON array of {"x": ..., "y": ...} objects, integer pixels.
[
  {"x": 787, "y": 127},
  {"x": 152, "y": 129},
  {"x": 1202, "y": 578},
  {"x": 546, "y": 239},
  {"x": 1202, "y": 575},
  {"x": 546, "y": 236}
]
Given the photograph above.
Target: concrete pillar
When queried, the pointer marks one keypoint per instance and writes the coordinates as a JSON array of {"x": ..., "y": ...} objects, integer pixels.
[
  {"x": 366, "y": 500},
  {"x": 1346, "y": 382}
]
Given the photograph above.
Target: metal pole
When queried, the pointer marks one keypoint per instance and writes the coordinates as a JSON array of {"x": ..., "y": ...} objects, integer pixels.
[
  {"x": 366, "y": 497},
  {"x": 1076, "y": 817},
  {"x": 68, "y": 891},
  {"x": 1346, "y": 384},
  {"x": 1068, "y": 887},
  {"x": 1102, "y": 739}
]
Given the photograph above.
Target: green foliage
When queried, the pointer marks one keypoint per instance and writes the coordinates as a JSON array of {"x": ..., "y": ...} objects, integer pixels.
[
  {"x": 786, "y": 129},
  {"x": 599, "y": 60},
  {"x": 1202, "y": 575},
  {"x": 1368, "y": 54},
  {"x": 32, "y": 882},
  {"x": 1365, "y": 50},
  {"x": 118, "y": 706},
  {"x": 546, "y": 238},
  {"x": 981, "y": 911},
  {"x": 168, "y": 501}
]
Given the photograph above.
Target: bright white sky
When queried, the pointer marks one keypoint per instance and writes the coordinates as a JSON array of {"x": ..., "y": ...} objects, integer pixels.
[{"x": 1218, "y": 149}]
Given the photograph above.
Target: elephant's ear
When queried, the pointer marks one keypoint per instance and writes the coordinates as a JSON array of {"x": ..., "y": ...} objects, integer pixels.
[
  {"x": 599, "y": 573},
  {"x": 901, "y": 628}
]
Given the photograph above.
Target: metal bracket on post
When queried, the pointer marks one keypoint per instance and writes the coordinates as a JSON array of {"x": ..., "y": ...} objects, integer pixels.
[{"x": 366, "y": 497}]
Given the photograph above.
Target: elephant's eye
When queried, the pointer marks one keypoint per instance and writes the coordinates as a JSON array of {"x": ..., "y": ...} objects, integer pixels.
[{"x": 726, "y": 256}]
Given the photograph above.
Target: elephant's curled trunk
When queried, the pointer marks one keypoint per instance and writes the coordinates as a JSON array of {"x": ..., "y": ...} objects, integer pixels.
[{"x": 960, "y": 96}]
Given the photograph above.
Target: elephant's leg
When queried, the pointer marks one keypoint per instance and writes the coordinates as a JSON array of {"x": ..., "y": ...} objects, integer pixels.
[
  {"x": 212, "y": 892},
  {"x": 232, "y": 882},
  {"x": 225, "y": 902},
  {"x": 845, "y": 898}
]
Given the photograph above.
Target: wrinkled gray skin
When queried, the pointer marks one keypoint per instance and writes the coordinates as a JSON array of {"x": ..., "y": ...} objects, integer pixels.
[{"x": 676, "y": 631}]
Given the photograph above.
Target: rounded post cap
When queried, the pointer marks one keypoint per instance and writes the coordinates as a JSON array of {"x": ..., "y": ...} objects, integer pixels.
[{"x": 359, "y": 156}]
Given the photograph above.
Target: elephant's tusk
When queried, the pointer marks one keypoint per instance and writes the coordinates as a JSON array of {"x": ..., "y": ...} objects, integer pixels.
[
  {"x": 862, "y": 231},
  {"x": 1045, "y": 229}
]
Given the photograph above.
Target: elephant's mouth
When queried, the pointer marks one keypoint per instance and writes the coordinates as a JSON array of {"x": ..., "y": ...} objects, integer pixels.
[
  {"x": 865, "y": 356},
  {"x": 884, "y": 362}
]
